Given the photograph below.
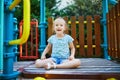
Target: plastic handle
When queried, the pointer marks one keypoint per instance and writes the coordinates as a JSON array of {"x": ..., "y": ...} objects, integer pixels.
[
  {"x": 26, "y": 24},
  {"x": 14, "y": 3}
]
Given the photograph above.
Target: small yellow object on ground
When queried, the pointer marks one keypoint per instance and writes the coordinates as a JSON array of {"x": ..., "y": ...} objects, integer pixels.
[
  {"x": 111, "y": 79},
  {"x": 39, "y": 78}
]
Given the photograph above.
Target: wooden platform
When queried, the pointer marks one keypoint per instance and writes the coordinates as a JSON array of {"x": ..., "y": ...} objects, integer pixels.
[{"x": 91, "y": 68}]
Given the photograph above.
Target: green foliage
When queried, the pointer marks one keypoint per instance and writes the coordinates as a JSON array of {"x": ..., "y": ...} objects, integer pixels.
[
  {"x": 79, "y": 8},
  {"x": 35, "y": 9},
  {"x": 19, "y": 12},
  {"x": 83, "y": 7}
]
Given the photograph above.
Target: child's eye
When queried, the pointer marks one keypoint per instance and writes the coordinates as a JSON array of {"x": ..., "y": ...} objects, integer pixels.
[
  {"x": 61, "y": 25},
  {"x": 56, "y": 24}
]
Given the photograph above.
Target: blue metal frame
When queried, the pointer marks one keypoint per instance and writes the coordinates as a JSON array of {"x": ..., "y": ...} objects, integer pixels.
[
  {"x": 9, "y": 54},
  {"x": 1, "y": 33},
  {"x": 42, "y": 27},
  {"x": 105, "y": 11},
  {"x": 15, "y": 37},
  {"x": 112, "y": 2},
  {"x": 104, "y": 45}
]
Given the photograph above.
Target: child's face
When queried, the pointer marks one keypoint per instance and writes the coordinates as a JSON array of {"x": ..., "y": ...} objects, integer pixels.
[{"x": 59, "y": 26}]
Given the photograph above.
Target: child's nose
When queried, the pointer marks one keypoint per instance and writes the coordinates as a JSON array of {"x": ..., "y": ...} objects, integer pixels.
[{"x": 58, "y": 26}]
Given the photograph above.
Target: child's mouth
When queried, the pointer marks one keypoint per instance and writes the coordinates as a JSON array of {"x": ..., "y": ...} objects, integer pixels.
[{"x": 58, "y": 30}]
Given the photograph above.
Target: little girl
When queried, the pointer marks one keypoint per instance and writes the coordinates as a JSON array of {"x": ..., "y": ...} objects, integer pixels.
[{"x": 63, "y": 50}]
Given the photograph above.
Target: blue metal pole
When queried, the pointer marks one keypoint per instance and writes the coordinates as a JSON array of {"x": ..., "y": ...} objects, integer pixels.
[
  {"x": 9, "y": 55},
  {"x": 1, "y": 32},
  {"x": 15, "y": 37},
  {"x": 113, "y": 2},
  {"x": 8, "y": 35},
  {"x": 105, "y": 11},
  {"x": 105, "y": 44},
  {"x": 42, "y": 26}
]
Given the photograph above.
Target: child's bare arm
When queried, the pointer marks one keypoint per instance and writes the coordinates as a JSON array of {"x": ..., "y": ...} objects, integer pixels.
[
  {"x": 47, "y": 49},
  {"x": 72, "y": 48}
]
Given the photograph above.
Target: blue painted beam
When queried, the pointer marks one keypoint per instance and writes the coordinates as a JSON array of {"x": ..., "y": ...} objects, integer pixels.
[
  {"x": 105, "y": 44},
  {"x": 15, "y": 37},
  {"x": 113, "y": 2},
  {"x": 105, "y": 11},
  {"x": 8, "y": 55},
  {"x": 8, "y": 29},
  {"x": 42, "y": 26},
  {"x": 1, "y": 32}
]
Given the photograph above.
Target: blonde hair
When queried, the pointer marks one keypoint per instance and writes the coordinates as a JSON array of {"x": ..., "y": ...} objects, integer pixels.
[{"x": 66, "y": 26}]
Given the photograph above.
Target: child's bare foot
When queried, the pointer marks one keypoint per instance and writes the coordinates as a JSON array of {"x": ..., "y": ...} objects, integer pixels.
[
  {"x": 50, "y": 66},
  {"x": 38, "y": 63}
]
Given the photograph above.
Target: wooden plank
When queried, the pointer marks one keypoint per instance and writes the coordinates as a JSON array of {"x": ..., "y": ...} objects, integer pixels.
[
  {"x": 50, "y": 26},
  {"x": 50, "y": 31},
  {"x": 81, "y": 37},
  {"x": 118, "y": 30},
  {"x": 85, "y": 76},
  {"x": 115, "y": 31},
  {"x": 73, "y": 29},
  {"x": 109, "y": 34},
  {"x": 97, "y": 36},
  {"x": 112, "y": 33},
  {"x": 89, "y": 36},
  {"x": 66, "y": 19}
]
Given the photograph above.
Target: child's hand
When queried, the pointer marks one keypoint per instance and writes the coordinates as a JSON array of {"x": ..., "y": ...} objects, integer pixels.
[
  {"x": 43, "y": 57},
  {"x": 71, "y": 57}
]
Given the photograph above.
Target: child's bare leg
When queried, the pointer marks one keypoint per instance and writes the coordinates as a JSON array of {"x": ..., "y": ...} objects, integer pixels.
[
  {"x": 42, "y": 63},
  {"x": 68, "y": 64}
]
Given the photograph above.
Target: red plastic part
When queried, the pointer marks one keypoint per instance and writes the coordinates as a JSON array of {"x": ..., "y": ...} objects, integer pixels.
[{"x": 29, "y": 50}]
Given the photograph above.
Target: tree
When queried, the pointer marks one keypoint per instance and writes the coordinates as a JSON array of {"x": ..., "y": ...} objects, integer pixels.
[
  {"x": 83, "y": 7},
  {"x": 35, "y": 9}
]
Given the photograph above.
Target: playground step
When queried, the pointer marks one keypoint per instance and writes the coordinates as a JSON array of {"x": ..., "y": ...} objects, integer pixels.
[{"x": 91, "y": 68}]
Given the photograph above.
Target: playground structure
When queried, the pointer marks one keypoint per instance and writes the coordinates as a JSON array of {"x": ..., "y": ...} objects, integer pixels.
[
  {"x": 8, "y": 54},
  {"x": 113, "y": 27},
  {"x": 29, "y": 50},
  {"x": 7, "y": 43}
]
